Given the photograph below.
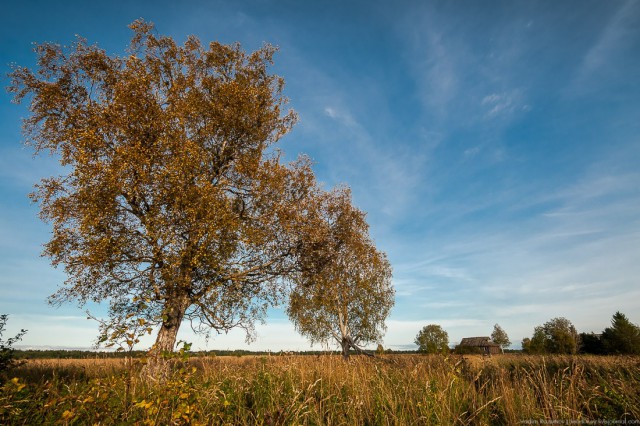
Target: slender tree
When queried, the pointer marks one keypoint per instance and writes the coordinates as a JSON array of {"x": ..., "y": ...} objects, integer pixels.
[
  {"x": 172, "y": 202},
  {"x": 432, "y": 339},
  {"x": 343, "y": 291},
  {"x": 500, "y": 337}
]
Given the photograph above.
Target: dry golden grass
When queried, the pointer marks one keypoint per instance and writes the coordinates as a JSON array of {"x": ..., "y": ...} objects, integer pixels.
[{"x": 318, "y": 390}]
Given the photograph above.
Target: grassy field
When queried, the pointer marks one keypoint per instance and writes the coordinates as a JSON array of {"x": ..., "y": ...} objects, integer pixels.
[{"x": 318, "y": 390}]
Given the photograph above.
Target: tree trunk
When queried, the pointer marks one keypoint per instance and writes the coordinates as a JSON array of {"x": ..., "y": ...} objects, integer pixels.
[
  {"x": 346, "y": 344},
  {"x": 173, "y": 314}
]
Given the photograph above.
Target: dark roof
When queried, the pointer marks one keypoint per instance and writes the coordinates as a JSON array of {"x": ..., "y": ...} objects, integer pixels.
[{"x": 477, "y": 341}]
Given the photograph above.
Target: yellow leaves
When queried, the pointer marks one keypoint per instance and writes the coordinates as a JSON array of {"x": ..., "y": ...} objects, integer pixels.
[
  {"x": 144, "y": 404},
  {"x": 68, "y": 415},
  {"x": 16, "y": 382}
]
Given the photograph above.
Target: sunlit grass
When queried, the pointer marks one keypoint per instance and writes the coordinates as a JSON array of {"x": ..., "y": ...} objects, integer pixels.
[{"x": 315, "y": 390}]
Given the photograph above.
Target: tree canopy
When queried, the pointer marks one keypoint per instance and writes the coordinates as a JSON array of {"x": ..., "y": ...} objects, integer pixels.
[
  {"x": 173, "y": 203},
  {"x": 432, "y": 339},
  {"x": 556, "y": 336},
  {"x": 343, "y": 291}
]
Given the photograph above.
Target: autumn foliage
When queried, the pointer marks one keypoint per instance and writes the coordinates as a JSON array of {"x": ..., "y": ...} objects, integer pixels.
[{"x": 173, "y": 202}]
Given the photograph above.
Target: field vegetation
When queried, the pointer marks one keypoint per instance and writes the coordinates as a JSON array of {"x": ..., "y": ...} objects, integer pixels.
[{"x": 324, "y": 389}]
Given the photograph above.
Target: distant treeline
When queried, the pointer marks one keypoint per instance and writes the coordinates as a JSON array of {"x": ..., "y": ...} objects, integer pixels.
[{"x": 79, "y": 354}]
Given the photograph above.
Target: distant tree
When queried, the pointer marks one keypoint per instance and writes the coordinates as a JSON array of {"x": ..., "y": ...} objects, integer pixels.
[
  {"x": 623, "y": 337},
  {"x": 500, "y": 337},
  {"x": 7, "y": 352},
  {"x": 537, "y": 340},
  {"x": 591, "y": 343},
  {"x": 432, "y": 339},
  {"x": 343, "y": 291},
  {"x": 535, "y": 344},
  {"x": 561, "y": 337},
  {"x": 556, "y": 336},
  {"x": 173, "y": 203}
]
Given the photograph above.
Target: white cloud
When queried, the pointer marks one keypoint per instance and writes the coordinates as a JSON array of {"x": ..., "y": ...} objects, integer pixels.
[
  {"x": 275, "y": 335},
  {"x": 54, "y": 330},
  {"x": 343, "y": 117},
  {"x": 331, "y": 112},
  {"x": 503, "y": 104}
]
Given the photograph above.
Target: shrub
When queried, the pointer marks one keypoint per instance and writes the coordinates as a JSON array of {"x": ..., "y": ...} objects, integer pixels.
[{"x": 7, "y": 359}]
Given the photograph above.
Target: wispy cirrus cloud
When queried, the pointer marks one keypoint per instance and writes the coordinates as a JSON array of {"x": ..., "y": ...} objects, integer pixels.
[
  {"x": 383, "y": 173},
  {"x": 503, "y": 104},
  {"x": 600, "y": 63},
  {"x": 342, "y": 117},
  {"x": 457, "y": 81}
]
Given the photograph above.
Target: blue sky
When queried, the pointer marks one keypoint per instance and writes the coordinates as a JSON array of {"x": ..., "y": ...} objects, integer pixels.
[{"x": 495, "y": 146}]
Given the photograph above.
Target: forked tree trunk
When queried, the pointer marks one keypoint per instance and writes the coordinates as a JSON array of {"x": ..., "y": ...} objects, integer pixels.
[
  {"x": 346, "y": 343},
  {"x": 173, "y": 314}
]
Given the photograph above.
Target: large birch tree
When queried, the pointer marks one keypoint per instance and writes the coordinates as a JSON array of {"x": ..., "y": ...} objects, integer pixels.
[{"x": 172, "y": 203}]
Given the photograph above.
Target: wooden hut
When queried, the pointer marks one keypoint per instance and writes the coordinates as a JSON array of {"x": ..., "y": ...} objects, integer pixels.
[{"x": 483, "y": 345}]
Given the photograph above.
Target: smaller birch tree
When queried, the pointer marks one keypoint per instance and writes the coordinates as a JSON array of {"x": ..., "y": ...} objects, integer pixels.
[
  {"x": 500, "y": 337},
  {"x": 343, "y": 291}
]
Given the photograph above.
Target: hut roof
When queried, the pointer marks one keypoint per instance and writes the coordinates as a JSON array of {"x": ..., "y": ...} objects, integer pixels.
[{"x": 477, "y": 341}]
